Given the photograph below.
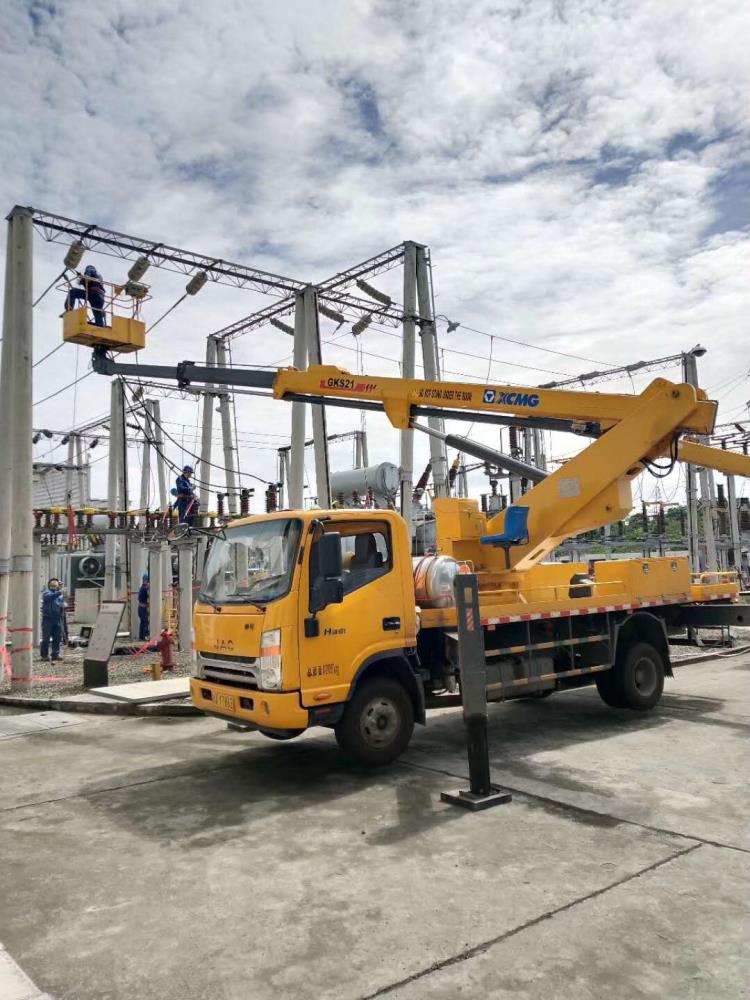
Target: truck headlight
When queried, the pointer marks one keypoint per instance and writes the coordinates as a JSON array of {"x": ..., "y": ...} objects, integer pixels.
[{"x": 270, "y": 660}]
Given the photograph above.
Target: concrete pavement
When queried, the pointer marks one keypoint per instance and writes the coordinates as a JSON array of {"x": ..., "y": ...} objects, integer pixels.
[{"x": 171, "y": 858}]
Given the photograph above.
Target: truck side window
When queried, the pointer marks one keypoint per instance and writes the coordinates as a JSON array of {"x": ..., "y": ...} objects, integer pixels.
[{"x": 366, "y": 550}]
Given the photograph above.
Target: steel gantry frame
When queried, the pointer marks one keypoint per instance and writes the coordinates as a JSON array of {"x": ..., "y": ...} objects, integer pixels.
[{"x": 329, "y": 297}]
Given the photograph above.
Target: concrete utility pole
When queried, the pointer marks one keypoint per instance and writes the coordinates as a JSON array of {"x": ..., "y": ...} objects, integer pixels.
[
  {"x": 6, "y": 439},
  {"x": 297, "y": 453},
  {"x": 204, "y": 468},
  {"x": 161, "y": 469},
  {"x": 155, "y": 564},
  {"x": 690, "y": 374},
  {"x": 17, "y": 379},
  {"x": 69, "y": 470},
  {"x": 734, "y": 525},
  {"x": 83, "y": 486},
  {"x": 136, "y": 572},
  {"x": 113, "y": 483},
  {"x": 428, "y": 336},
  {"x": 227, "y": 434},
  {"x": 146, "y": 462},
  {"x": 406, "y": 458},
  {"x": 185, "y": 587},
  {"x": 283, "y": 478},
  {"x": 320, "y": 431}
]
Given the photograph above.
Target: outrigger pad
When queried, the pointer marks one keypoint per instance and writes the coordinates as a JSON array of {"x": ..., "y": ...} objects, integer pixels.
[{"x": 468, "y": 800}]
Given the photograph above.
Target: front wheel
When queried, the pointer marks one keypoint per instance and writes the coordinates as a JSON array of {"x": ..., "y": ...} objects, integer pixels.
[{"x": 377, "y": 723}]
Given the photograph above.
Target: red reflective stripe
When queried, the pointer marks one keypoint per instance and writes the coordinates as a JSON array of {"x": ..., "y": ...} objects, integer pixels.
[
  {"x": 24, "y": 629},
  {"x": 22, "y": 649}
]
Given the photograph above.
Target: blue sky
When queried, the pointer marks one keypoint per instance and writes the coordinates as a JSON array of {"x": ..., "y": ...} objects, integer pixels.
[{"x": 581, "y": 172}]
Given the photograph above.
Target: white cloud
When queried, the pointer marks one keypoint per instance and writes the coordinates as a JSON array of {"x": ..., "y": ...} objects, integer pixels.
[{"x": 566, "y": 163}]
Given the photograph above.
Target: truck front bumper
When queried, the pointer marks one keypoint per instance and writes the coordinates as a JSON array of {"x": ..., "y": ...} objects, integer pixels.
[{"x": 265, "y": 709}]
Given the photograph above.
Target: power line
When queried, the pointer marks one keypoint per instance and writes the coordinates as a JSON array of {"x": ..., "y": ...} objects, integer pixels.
[
  {"x": 537, "y": 347},
  {"x": 212, "y": 465},
  {"x": 59, "y": 391}
]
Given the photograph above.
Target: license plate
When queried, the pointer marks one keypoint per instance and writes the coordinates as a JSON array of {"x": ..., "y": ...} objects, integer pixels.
[{"x": 225, "y": 701}]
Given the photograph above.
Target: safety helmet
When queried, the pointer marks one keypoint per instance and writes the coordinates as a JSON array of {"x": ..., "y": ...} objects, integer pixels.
[
  {"x": 187, "y": 468},
  {"x": 144, "y": 577},
  {"x": 90, "y": 269}
]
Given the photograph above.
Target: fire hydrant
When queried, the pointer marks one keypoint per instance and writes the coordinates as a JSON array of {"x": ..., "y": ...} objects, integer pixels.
[{"x": 165, "y": 649}]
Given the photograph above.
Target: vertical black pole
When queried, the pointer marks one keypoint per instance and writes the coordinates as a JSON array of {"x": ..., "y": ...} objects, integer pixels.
[{"x": 482, "y": 793}]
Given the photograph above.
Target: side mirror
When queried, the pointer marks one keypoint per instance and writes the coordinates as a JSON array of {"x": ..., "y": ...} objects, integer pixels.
[{"x": 326, "y": 586}]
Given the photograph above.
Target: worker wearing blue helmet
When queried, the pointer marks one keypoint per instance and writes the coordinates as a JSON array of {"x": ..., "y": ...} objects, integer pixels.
[
  {"x": 186, "y": 501},
  {"x": 91, "y": 292},
  {"x": 143, "y": 594}
]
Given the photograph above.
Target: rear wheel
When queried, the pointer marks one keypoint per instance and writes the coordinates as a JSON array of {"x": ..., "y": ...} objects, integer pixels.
[
  {"x": 377, "y": 723},
  {"x": 637, "y": 679}
]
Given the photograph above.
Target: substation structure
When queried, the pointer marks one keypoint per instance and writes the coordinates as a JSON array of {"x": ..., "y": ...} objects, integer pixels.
[{"x": 134, "y": 539}]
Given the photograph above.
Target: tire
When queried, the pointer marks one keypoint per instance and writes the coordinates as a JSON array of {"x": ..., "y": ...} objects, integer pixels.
[
  {"x": 377, "y": 723},
  {"x": 606, "y": 685},
  {"x": 636, "y": 681},
  {"x": 640, "y": 676}
]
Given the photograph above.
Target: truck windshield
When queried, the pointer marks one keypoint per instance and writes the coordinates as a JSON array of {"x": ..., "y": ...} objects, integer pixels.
[{"x": 252, "y": 564}]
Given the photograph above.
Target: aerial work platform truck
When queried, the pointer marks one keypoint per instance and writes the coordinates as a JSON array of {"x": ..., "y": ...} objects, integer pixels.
[{"x": 323, "y": 617}]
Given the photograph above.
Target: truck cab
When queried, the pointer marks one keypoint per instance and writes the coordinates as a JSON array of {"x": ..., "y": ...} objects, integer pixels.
[{"x": 308, "y": 618}]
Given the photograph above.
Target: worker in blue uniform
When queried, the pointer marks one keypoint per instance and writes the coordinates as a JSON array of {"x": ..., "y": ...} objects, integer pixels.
[
  {"x": 186, "y": 502},
  {"x": 91, "y": 292},
  {"x": 53, "y": 614},
  {"x": 143, "y": 631}
]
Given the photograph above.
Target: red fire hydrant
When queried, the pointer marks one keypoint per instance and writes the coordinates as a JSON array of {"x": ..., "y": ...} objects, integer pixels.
[{"x": 165, "y": 649}]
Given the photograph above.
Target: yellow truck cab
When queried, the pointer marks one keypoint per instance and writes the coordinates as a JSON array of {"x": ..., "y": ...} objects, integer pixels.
[{"x": 308, "y": 618}]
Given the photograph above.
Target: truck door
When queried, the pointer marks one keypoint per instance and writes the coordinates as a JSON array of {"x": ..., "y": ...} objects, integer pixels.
[{"x": 369, "y": 620}]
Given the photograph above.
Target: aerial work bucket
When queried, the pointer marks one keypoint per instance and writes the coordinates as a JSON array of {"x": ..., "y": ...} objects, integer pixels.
[{"x": 112, "y": 320}]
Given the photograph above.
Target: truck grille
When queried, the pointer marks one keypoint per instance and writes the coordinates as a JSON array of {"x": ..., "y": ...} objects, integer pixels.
[{"x": 244, "y": 673}]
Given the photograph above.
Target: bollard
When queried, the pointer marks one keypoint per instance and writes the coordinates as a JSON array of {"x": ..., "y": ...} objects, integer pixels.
[{"x": 482, "y": 794}]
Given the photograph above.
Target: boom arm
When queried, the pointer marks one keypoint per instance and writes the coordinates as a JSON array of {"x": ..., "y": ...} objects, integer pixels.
[{"x": 590, "y": 490}]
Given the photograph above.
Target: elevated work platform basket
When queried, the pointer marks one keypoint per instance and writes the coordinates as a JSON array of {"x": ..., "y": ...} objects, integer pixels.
[{"x": 125, "y": 334}]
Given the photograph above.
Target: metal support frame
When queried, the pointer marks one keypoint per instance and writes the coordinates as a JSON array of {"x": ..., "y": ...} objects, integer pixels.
[{"x": 481, "y": 794}]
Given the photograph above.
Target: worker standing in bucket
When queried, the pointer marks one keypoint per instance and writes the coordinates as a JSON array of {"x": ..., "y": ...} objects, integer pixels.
[
  {"x": 91, "y": 292},
  {"x": 186, "y": 500},
  {"x": 143, "y": 622},
  {"x": 53, "y": 613}
]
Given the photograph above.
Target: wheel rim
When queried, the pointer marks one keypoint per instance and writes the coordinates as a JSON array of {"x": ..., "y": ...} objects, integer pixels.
[
  {"x": 379, "y": 722},
  {"x": 645, "y": 676}
]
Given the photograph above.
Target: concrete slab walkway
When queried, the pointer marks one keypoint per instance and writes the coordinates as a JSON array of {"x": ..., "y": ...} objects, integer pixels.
[{"x": 160, "y": 858}]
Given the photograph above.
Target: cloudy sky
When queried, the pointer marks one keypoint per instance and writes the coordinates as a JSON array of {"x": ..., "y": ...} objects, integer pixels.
[{"x": 580, "y": 170}]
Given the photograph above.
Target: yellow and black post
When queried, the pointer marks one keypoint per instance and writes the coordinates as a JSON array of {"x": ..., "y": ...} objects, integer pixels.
[{"x": 482, "y": 794}]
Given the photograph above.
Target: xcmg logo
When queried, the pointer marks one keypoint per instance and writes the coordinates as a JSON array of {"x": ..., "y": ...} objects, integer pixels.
[{"x": 516, "y": 398}]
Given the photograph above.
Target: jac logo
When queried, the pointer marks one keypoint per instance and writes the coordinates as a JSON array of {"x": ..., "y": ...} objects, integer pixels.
[
  {"x": 511, "y": 398},
  {"x": 223, "y": 646}
]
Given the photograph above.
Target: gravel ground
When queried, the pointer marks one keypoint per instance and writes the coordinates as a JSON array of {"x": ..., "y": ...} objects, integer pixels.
[{"x": 68, "y": 673}]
